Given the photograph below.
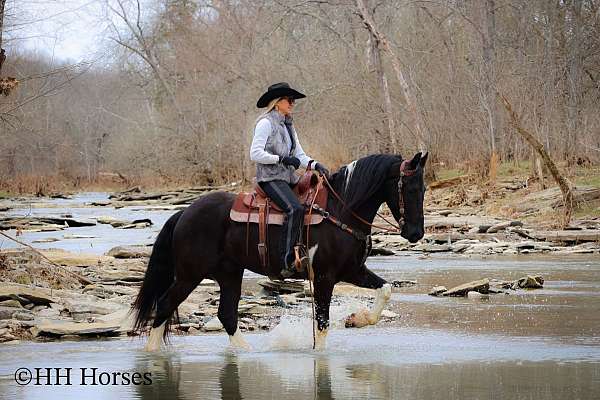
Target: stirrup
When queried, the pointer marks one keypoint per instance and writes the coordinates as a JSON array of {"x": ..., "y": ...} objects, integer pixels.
[{"x": 301, "y": 260}]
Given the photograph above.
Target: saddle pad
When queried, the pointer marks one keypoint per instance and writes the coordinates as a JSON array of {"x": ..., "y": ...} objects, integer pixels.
[{"x": 239, "y": 213}]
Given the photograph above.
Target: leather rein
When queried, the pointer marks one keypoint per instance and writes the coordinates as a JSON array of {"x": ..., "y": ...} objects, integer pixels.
[{"x": 404, "y": 171}]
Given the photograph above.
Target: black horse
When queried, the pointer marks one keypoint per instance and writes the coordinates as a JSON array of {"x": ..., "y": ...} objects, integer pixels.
[{"x": 202, "y": 242}]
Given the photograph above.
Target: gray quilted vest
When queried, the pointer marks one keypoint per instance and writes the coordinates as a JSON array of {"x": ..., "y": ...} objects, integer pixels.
[{"x": 278, "y": 143}]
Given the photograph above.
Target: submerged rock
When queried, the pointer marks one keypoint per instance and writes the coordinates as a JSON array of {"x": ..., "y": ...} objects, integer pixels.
[
  {"x": 46, "y": 240},
  {"x": 437, "y": 290},
  {"x": 481, "y": 286},
  {"x": 400, "y": 283},
  {"x": 526, "y": 282},
  {"x": 476, "y": 295},
  {"x": 138, "y": 224},
  {"x": 73, "y": 328},
  {"x": 130, "y": 252},
  {"x": 530, "y": 282}
]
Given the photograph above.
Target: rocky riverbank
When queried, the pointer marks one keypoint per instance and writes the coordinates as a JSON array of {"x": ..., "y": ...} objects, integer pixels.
[
  {"x": 41, "y": 301},
  {"x": 66, "y": 294}
]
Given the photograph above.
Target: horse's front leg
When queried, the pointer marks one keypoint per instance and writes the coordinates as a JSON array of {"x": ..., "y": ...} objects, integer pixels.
[
  {"x": 367, "y": 279},
  {"x": 322, "y": 292}
]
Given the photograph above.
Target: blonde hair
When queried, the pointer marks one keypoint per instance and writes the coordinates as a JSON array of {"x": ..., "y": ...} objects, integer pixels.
[{"x": 270, "y": 106}]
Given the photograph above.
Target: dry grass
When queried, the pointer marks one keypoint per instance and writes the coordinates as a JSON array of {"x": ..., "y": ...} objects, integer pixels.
[{"x": 26, "y": 267}]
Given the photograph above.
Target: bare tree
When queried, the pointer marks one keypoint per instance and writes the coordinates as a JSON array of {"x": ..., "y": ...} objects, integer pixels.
[
  {"x": 563, "y": 183},
  {"x": 409, "y": 97}
]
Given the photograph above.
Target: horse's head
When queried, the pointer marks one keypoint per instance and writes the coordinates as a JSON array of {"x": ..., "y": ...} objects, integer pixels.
[{"x": 404, "y": 194}]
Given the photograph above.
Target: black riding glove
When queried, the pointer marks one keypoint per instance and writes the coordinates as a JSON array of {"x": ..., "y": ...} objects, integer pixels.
[
  {"x": 321, "y": 169},
  {"x": 293, "y": 161}
]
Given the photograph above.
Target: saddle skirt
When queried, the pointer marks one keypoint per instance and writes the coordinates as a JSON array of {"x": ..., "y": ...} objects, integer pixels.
[{"x": 246, "y": 205}]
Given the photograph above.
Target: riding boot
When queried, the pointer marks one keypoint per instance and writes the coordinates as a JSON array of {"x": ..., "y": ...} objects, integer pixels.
[
  {"x": 288, "y": 269},
  {"x": 291, "y": 230}
]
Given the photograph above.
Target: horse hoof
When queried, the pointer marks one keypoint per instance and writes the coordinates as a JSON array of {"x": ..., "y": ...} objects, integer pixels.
[
  {"x": 151, "y": 349},
  {"x": 240, "y": 346},
  {"x": 350, "y": 323},
  {"x": 237, "y": 341},
  {"x": 386, "y": 291},
  {"x": 321, "y": 340},
  {"x": 358, "y": 319}
]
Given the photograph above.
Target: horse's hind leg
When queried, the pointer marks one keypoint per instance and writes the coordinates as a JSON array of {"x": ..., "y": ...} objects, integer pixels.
[
  {"x": 230, "y": 282},
  {"x": 167, "y": 305},
  {"x": 367, "y": 279}
]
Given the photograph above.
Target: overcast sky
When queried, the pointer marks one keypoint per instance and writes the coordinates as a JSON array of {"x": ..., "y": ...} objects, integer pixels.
[{"x": 69, "y": 30}]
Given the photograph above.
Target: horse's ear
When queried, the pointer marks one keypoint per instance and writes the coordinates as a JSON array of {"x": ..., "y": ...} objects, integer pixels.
[
  {"x": 414, "y": 163},
  {"x": 423, "y": 160}
]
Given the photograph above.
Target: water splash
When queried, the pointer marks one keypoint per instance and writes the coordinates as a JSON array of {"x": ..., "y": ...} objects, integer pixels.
[
  {"x": 292, "y": 333},
  {"x": 295, "y": 331}
]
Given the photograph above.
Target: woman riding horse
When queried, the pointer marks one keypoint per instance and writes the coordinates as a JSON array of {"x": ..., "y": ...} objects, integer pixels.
[
  {"x": 203, "y": 242},
  {"x": 277, "y": 153}
]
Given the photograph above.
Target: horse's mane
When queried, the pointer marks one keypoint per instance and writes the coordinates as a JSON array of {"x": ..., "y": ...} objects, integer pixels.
[{"x": 359, "y": 181}]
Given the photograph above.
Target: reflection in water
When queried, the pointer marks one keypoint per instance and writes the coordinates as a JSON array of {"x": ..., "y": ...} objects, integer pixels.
[
  {"x": 541, "y": 344},
  {"x": 318, "y": 376},
  {"x": 166, "y": 376},
  {"x": 229, "y": 378},
  {"x": 369, "y": 364}
]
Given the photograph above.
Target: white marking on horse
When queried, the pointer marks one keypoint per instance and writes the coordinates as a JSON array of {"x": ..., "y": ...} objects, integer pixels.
[
  {"x": 383, "y": 296},
  {"x": 311, "y": 253},
  {"x": 349, "y": 171},
  {"x": 366, "y": 317},
  {"x": 237, "y": 340},
  {"x": 155, "y": 338},
  {"x": 320, "y": 339}
]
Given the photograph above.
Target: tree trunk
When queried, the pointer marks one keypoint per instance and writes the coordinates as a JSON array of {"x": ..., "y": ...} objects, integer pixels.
[
  {"x": 488, "y": 78},
  {"x": 374, "y": 60},
  {"x": 2, "y": 55},
  {"x": 537, "y": 169},
  {"x": 563, "y": 183},
  {"x": 573, "y": 30},
  {"x": 408, "y": 95}
]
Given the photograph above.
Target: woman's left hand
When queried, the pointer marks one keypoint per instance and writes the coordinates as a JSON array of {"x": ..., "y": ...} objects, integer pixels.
[{"x": 321, "y": 169}]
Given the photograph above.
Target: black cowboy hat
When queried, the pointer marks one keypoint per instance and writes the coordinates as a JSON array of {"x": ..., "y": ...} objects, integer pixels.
[{"x": 277, "y": 90}]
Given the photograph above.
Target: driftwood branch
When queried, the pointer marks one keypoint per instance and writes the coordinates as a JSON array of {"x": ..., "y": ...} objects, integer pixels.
[{"x": 563, "y": 183}]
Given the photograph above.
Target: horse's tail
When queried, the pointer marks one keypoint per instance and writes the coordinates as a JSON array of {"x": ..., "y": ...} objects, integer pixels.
[{"x": 159, "y": 275}]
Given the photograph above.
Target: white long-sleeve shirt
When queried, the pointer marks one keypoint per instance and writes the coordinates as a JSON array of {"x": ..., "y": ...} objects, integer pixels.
[{"x": 259, "y": 141}]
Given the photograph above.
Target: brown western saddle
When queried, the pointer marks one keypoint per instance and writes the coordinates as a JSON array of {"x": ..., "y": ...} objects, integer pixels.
[{"x": 255, "y": 207}]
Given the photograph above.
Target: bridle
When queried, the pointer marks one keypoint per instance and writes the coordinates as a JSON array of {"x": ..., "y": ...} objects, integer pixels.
[
  {"x": 360, "y": 236},
  {"x": 404, "y": 171}
]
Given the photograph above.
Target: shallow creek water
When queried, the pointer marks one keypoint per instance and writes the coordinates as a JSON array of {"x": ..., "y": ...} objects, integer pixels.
[{"x": 530, "y": 344}]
